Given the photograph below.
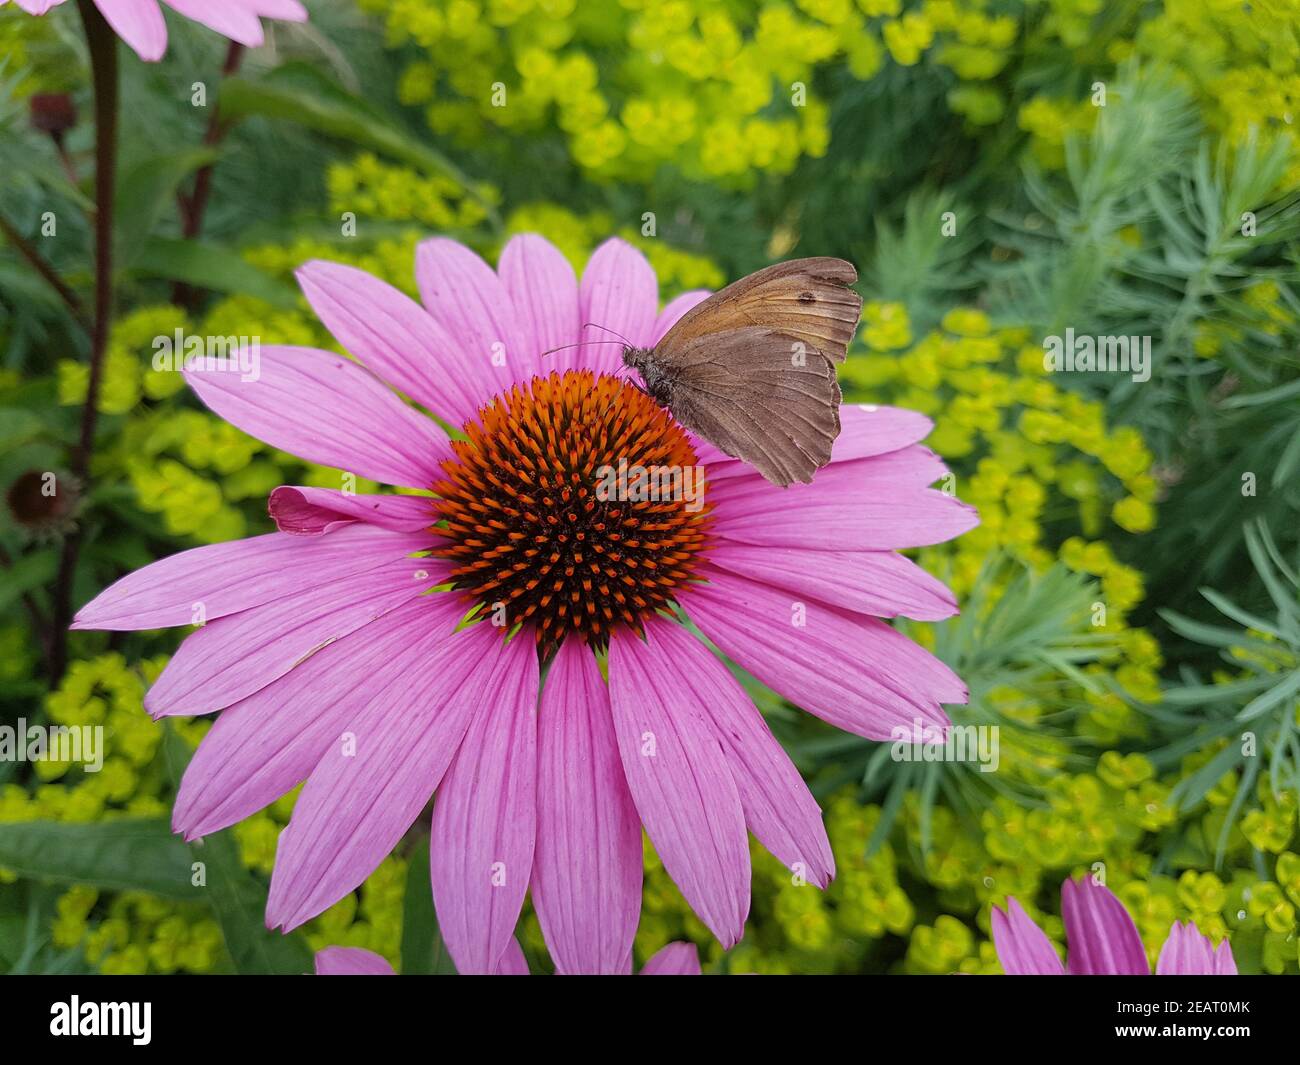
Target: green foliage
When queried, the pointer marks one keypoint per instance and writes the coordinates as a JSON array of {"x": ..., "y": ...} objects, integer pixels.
[
  {"x": 1130, "y": 605},
  {"x": 126, "y": 855}
]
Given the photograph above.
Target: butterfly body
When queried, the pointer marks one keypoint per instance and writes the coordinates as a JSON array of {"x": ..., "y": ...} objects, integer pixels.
[
  {"x": 752, "y": 368},
  {"x": 657, "y": 382}
]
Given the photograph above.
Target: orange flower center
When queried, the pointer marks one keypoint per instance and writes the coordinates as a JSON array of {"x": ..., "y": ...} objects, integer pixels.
[{"x": 576, "y": 504}]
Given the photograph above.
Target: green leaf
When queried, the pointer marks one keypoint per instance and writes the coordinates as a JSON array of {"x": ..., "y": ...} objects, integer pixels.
[
  {"x": 1193, "y": 789},
  {"x": 423, "y": 952},
  {"x": 17, "y": 427},
  {"x": 1288, "y": 463},
  {"x": 146, "y": 192},
  {"x": 212, "y": 267},
  {"x": 297, "y": 93},
  {"x": 1210, "y": 635},
  {"x": 28, "y": 571},
  {"x": 1203, "y": 694},
  {"x": 126, "y": 855},
  {"x": 1265, "y": 398},
  {"x": 1228, "y": 608},
  {"x": 238, "y": 901},
  {"x": 26, "y": 288},
  {"x": 1284, "y": 598},
  {"x": 1275, "y": 696}
]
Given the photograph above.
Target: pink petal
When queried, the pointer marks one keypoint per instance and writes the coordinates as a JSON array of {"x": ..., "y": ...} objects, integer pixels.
[
  {"x": 465, "y": 296},
  {"x": 587, "y": 870},
  {"x": 903, "y": 470},
  {"x": 230, "y": 19},
  {"x": 880, "y": 680},
  {"x": 619, "y": 301},
  {"x": 265, "y": 745},
  {"x": 880, "y": 583},
  {"x": 138, "y": 22},
  {"x": 512, "y": 962},
  {"x": 679, "y": 778},
  {"x": 398, "y": 339},
  {"x": 868, "y": 430},
  {"x": 676, "y": 959},
  {"x": 1188, "y": 953},
  {"x": 325, "y": 409},
  {"x": 233, "y": 657},
  {"x": 286, "y": 10},
  {"x": 779, "y": 808},
  {"x": 351, "y": 961},
  {"x": 485, "y": 818},
  {"x": 673, "y": 311},
  {"x": 1101, "y": 938},
  {"x": 312, "y": 511},
  {"x": 872, "y": 504},
  {"x": 1023, "y": 949},
  {"x": 358, "y": 804},
  {"x": 228, "y": 577},
  {"x": 35, "y": 7},
  {"x": 544, "y": 289}
]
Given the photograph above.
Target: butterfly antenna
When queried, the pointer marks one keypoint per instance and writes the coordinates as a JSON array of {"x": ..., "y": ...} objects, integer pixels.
[
  {"x": 579, "y": 344},
  {"x": 596, "y": 325}
]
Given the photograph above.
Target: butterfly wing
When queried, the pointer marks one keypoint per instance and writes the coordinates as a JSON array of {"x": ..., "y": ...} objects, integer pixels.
[
  {"x": 758, "y": 396},
  {"x": 807, "y": 299},
  {"x": 752, "y": 368}
]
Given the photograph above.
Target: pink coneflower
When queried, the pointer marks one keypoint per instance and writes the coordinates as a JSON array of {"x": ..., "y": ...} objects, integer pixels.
[
  {"x": 676, "y": 959},
  {"x": 140, "y": 22},
  {"x": 353, "y": 961},
  {"x": 1102, "y": 939},
  {"x": 332, "y": 664},
  {"x": 357, "y": 961}
]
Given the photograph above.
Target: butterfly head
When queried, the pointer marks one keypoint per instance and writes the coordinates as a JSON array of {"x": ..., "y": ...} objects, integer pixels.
[{"x": 658, "y": 385}]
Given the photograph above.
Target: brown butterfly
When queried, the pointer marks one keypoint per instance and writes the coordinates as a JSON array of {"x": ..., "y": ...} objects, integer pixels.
[{"x": 752, "y": 368}]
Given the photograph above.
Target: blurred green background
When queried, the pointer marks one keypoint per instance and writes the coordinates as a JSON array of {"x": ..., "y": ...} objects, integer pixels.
[{"x": 999, "y": 171}]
